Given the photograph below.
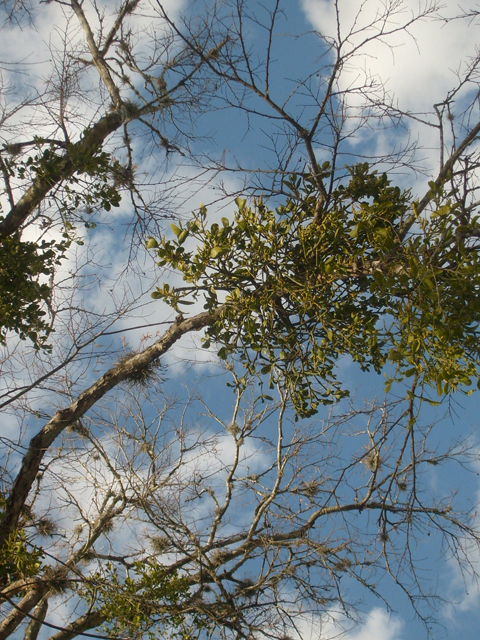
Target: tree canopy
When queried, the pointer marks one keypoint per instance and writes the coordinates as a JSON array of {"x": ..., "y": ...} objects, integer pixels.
[
  {"x": 368, "y": 276},
  {"x": 257, "y": 482}
]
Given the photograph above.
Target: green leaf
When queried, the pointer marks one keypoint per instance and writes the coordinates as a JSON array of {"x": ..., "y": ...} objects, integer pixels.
[
  {"x": 219, "y": 250},
  {"x": 176, "y": 230},
  {"x": 152, "y": 243},
  {"x": 183, "y": 236},
  {"x": 355, "y": 230},
  {"x": 223, "y": 353}
]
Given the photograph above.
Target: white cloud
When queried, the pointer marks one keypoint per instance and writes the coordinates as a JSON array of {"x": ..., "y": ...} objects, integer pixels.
[
  {"x": 416, "y": 66},
  {"x": 464, "y": 595},
  {"x": 378, "y": 624}
]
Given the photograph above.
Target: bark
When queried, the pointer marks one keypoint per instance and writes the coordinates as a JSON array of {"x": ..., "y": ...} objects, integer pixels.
[
  {"x": 41, "y": 442},
  {"x": 92, "y": 141},
  {"x": 80, "y": 625},
  {"x": 35, "y": 624},
  {"x": 19, "y": 611}
]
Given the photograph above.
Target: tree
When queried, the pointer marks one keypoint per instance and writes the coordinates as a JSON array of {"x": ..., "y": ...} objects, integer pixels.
[
  {"x": 303, "y": 289},
  {"x": 140, "y": 513},
  {"x": 67, "y": 160}
]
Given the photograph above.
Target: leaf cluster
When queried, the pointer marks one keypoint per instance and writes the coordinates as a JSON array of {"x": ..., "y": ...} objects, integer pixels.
[
  {"x": 18, "y": 559},
  {"x": 26, "y": 266},
  {"x": 92, "y": 174},
  {"x": 140, "y": 601},
  {"x": 25, "y": 292},
  {"x": 300, "y": 293}
]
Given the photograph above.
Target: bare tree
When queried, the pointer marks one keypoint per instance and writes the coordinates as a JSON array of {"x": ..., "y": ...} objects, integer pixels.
[
  {"x": 132, "y": 511},
  {"x": 244, "y": 524}
]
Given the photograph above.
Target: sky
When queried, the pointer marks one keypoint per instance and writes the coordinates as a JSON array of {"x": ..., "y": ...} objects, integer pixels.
[{"x": 416, "y": 71}]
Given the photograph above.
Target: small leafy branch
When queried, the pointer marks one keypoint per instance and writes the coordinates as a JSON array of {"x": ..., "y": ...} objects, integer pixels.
[
  {"x": 89, "y": 164},
  {"x": 25, "y": 292},
  {"x": 300, "y": 292},
  {"x": 138, "y": 602},
  {"x": 18, "y": 559},
  {"x": 26, "y": 267}
]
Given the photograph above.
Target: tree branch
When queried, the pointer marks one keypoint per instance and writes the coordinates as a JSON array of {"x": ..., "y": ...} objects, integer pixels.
[{"x": 64, "y": 417}]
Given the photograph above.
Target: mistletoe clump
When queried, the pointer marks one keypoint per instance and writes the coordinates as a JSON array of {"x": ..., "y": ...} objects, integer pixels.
[{"x": 368, "y": 278}]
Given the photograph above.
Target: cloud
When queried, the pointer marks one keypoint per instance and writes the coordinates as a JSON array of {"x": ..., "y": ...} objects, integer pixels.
[
  {"x": 378, "y": 624},
  {"x": 411, "y": 68},
  {"x": 464, "y": 590},
  {"x": 417, "y": 63}
]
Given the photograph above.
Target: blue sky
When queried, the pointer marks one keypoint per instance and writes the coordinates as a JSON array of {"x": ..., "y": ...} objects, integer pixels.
[{"x": 416, "y": 69}]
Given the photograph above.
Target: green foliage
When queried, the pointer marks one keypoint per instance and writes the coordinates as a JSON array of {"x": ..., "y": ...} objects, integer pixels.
[
  {"x": 26, "y": 266},
  {"x": 147, "y": 601},
  {"x": 18, "y": 559},
  {"x": 300, "y": 293},
  {"x": 96, "y": 169},
  {"x": 24, "y": 289},
  {"x": 91, "y": 177}
]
